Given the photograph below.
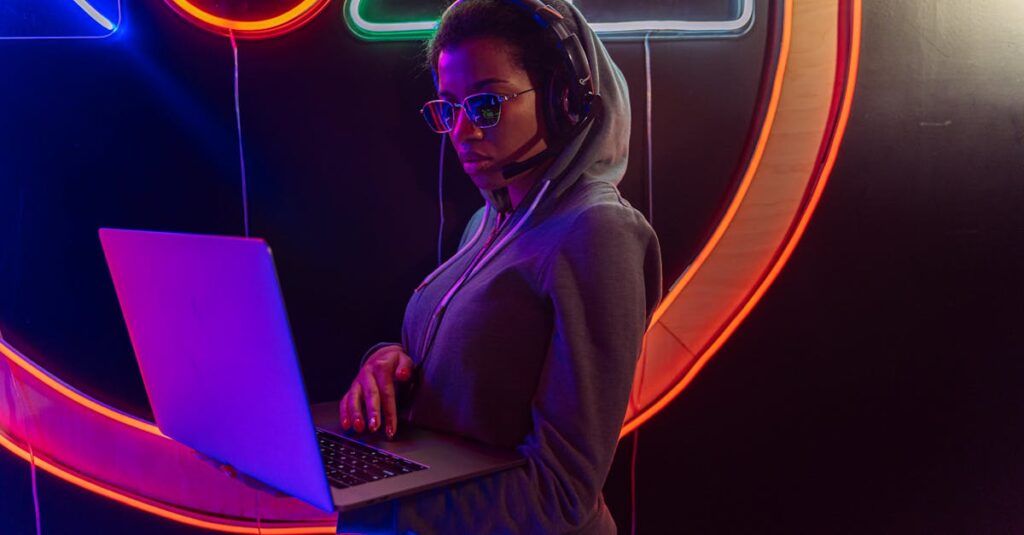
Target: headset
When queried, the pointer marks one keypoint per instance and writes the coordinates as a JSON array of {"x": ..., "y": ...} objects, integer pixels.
[{"x": 570, "y": 102}]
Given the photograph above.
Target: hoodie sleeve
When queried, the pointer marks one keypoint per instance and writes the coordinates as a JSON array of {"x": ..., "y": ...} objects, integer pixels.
[{"x": 603, "y": 280}]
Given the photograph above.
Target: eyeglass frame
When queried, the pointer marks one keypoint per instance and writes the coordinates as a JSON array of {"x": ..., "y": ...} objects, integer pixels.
[{"x": 501, "y": 100}]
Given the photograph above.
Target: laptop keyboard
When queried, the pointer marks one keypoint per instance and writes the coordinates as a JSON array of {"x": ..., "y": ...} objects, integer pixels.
[{"x": 349, "y": 463}]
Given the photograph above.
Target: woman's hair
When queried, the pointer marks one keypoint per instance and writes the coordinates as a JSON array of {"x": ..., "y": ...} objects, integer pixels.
[{"x": 532, "y": 47}]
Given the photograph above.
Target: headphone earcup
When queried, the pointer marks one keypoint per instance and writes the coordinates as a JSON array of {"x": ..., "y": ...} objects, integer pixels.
[{"x": 558, "y": 108}]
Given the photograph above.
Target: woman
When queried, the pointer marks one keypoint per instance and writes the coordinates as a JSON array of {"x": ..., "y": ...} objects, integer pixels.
[{"x": 528, "y": 336}]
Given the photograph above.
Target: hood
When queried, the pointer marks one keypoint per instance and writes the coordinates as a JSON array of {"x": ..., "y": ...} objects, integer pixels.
[{"x": 599, "y": 151}]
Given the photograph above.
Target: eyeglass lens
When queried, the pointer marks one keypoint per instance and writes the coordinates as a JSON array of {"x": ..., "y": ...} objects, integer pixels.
[{"x": 483, "y": 109}]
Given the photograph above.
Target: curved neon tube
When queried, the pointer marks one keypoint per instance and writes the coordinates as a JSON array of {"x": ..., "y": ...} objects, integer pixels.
[
  {"x": 96, "y": 15},
  {"x": 321, "y": 523},
  {"x": 92, "y": 12},
  {"x": 267, "y": 27},
  {"x": 67, "y": 391},
  {"x": 801, "y": 219}
]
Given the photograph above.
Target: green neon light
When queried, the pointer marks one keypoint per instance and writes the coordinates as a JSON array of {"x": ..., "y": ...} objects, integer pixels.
[
  {"x": 403, "y": 30},
  {"x": 385, "y": 31}
]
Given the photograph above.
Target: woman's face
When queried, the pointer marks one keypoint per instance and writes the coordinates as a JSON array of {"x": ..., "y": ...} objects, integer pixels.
[{"x": 483, "y": 65}]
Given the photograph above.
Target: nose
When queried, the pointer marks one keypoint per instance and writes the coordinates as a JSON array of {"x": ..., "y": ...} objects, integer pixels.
[{"x": 464, "y": 128}]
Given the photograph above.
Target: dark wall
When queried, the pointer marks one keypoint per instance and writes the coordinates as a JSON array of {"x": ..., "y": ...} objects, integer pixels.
[
  {"x": 874, "y": 388},
  {"x": 879, "y": 385}
]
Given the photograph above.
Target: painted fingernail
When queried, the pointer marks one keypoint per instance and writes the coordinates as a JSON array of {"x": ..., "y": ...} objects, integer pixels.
[
  {"x": 373, "y": 423},
  {"x": 390, "y": 431},
  {"x": 359, "y": 424},
  {"x": 345, "y": 423}
]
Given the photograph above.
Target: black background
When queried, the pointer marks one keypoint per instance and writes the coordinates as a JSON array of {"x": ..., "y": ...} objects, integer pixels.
[{"x": 875, "y": 388}]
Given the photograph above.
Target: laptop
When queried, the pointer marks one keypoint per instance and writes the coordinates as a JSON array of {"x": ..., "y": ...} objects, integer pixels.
[{"x": 208, "y": 325}]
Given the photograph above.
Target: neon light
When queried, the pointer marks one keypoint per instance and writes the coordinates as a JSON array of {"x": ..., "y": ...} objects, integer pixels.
[
  {"x": 103, "y": 21},
  {"x": 801, "y": 220},
  {"x": 730, "y": 214},
  {"x": 150, "y": 508},
  {"x": 96, "y": 15},
  {"x": 421, "y": 29},
  {"x": 63, "y": 389},
  {"x": 291, "y": 19},
  {"x": 162, "y": 509}
]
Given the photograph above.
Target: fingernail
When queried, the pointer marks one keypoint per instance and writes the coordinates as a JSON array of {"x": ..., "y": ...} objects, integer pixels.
[
  {"x": 359, "y": 424},
  {"x": 389, "y": 431},
  {"x": 345, "y": 423},
  {"x": 373, "y": 423}
]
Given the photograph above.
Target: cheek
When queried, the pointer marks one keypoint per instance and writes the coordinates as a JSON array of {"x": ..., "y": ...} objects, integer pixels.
[{"x": 519, "y": 127}]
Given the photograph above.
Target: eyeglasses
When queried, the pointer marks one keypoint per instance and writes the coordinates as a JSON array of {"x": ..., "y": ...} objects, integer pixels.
[{"x": 484, "y": 109}]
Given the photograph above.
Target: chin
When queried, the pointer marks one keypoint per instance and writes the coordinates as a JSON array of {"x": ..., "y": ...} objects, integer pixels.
[{"x": 488, "y": 182}]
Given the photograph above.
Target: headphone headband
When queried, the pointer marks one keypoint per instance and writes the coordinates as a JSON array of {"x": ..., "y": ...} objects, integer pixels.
[{"x": 575, "y": 54}]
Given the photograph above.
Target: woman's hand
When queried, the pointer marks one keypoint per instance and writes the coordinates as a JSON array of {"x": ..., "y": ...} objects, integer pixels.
[{"x": 374, "y": 388}]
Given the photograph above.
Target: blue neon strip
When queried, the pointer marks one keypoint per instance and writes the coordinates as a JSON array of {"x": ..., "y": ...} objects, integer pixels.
[
  {"x": 101, "y": 20},
  {"x": 96, "y": 15}
]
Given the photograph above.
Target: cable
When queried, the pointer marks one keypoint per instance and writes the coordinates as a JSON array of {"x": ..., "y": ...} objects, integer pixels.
[
  {"x": 31, "y": 451},
  {"x": 241, "y": 151},
  {"x": 440, "y": 200},
  {"x": 650, "y": 136},
  {"x": 245, "y": 201},
  {"x": 632, "y": 482},
  {"x": 650, "y": 219}
]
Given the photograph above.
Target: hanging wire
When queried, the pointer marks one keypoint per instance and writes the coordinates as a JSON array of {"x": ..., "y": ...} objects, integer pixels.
[
  {"x": 245, "y": 206},
  {"x": 241, "y": 151},
  {"x": 440, "y": 200},
  {"x": 650, "y": 219},
  {"x": 650, "y": 136}
]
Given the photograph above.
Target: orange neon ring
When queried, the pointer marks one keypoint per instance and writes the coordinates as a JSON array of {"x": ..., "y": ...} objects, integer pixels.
[
  {"x": 729, "y": 239},
  {"x": 301, "y": 13}
]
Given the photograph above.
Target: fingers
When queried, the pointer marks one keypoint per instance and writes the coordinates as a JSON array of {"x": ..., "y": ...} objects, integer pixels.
[
  {"x": 343, "y": 413},
  {"x": 353, "y": 408},
  {"x": 371, "y": 398},
  {"x": 374, "y": 390},
  {"x": 383, "y": 375},
  {"x": 403, "y": 372}
]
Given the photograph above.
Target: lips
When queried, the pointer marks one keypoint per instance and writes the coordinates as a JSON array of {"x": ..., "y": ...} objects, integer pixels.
[{"x": 472, "y": 157}]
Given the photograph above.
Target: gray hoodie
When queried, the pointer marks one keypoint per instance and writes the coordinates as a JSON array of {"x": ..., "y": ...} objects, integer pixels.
[{"x": 528, "y": 338}]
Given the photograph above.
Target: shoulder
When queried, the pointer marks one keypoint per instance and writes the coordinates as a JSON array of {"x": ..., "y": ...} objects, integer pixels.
[
  {"x": 597, "y": 210},
  {"x": 595, "y": 229}
]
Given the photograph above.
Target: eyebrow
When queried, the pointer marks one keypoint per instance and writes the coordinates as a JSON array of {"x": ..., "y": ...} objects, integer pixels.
[{"x": 477, "y": 86}]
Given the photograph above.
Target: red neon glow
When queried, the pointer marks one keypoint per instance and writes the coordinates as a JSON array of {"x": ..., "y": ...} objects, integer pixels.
[
  {"x": 127, "y": 460},
  {"x": 302, "y": 12}
]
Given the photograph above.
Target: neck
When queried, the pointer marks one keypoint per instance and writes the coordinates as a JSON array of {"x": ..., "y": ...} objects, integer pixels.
[{"x": 519, "y": 187}]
